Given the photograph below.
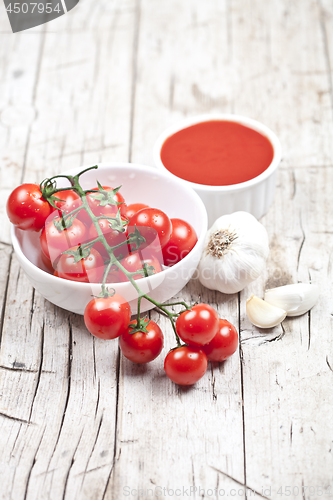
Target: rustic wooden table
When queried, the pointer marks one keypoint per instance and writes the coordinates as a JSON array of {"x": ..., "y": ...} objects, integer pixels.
[{"x": 99, "y": 84}]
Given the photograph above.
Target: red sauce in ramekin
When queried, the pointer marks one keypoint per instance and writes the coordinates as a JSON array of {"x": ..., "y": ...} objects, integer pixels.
[{"x": 217, "y": 153}]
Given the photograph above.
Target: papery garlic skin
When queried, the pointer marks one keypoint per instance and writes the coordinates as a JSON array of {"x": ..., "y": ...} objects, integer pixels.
[
  {"x": 263, "y": 314},
  {"x": 296, "y": 299},
  {"x": 235, "y": 253}
]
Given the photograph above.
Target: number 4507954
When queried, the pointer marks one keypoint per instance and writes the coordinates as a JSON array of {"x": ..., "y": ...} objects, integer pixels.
[{"x": 39, "y": 8}]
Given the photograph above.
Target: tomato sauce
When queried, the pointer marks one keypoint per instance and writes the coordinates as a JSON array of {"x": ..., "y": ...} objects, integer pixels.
[{"x": 217, "y": 153}]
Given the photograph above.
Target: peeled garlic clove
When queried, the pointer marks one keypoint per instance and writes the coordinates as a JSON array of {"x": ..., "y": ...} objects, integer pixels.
[
  {"x": 296, "y": 299},
  {"x": 263, "y": 314}
]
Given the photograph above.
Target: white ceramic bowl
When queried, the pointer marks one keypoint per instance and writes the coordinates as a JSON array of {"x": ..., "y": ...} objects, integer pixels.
[
  {"x": 139, "y": 184},
  {"x": 254, "y": 196}
]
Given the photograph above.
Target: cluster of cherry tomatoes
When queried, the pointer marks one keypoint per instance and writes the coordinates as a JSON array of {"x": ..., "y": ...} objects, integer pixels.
[
  {"x": 167, "y": 240},
  {"x": 207, "y": 337},
  {"x": 68, "y": 230}
]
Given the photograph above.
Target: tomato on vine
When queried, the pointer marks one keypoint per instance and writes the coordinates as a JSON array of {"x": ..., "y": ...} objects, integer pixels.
[
  {"x": 223, "y": 344},
  {"x": 107, "y": 317},
  {"x": 185, "y": 365},
  {"x": 198, "y": 325},
  {"x": 27, "y": 209},
  {"x": 152, "y": 222},
  {"x": 87, "y": 270},
  {"x": 136, "y": 261},
  {"x": 46, "y": 262},
  {"x": 112, "y": 236},
  {"x": 96, "y": 203},
  {"x": 134, "y": 208},
  {"x": 54, "y": 241},
  {"x": 183, "y": 238},
  {"x": 113, "y": 275},
  {"x": 142, "y": 346},
  {"x": 69, "y": 201}
]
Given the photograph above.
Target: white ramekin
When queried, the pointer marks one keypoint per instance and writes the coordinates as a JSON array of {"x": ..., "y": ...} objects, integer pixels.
[
  {"x": 254, "y": 196},
  {"x": 139, "y": 184}
]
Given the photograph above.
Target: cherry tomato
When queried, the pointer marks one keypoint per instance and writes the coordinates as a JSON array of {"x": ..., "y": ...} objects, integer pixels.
[
  {"x": 152, "y": 222},
  {"x": 87, "y": 270},
  {"x": 27, "y": 209},
  {"x": 223, "y": 344},
  {"x": 112, "y": 236},
  {"x": 54, "y": 242},
  {"x": 135, "y": 262},
  {"x": 198, "y": 325},
  {"x": 70, "y": 201},
  {"x": 46, "y": 262},
  {"x": 183, "y": 238},
  {"x": 134, "y": 208},
  {"x": 142, "y": 347},
  {"x": 107, "y": 318},
  {"x": 185, "y": 365},
  {"x": 113, "y": 275},
  {"x": 99, "y": 210}
]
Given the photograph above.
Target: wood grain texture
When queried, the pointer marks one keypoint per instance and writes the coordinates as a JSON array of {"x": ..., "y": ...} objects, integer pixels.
[{"x": 78, "y": 421}]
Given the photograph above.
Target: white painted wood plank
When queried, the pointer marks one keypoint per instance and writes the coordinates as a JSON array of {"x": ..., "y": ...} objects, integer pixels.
[
  {"x": 87, "y": 424},
  {"x": 5, "y": 260},
  {"x": 45, "y": 395},
  {"x": 84, "y": 92},
  {"x": 286, "y": 396},
  {"x": 285, "y": 379},
  {"x": 19, "y": 60}
]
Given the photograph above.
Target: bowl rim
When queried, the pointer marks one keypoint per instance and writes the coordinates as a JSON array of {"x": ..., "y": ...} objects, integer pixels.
[
  {"x": 149, "y": 279},
  {"x": 241, "y": 119}
]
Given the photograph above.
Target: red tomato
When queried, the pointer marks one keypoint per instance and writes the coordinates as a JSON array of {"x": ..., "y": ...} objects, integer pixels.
[
  {"x": 198, "y": 325},
  {"x": 99, "y": 210},
  {"x": 27, "y": 209},
  {"x": 185, "y": 365},
  {"x": 113, "y": 275},
  {"x": 134, "y": 208},
  {"x": 223, "y": 344},
  {"x": 47, "y": 263},
  {"x": 182, "y": 240},
  {"x": 142, "y": 347},
  {"x": 54, "y": 242},
  {"x": 70, "y": 202},
  {"x": 44, "y": 245},
  {"x": 107, "y": 318},
  {"x": 135, "y": 262},
  {"x": 112, "y": 236},
  {"x": 152, "y": 222},
  {"x": 87, "y": 270}
]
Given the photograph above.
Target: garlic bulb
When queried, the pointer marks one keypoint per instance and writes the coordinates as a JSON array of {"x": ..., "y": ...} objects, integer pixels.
[
  {"x": 263, "y": 314},
  {"x": 235, "y": 253},
  {"x": 296, "y": 299}
]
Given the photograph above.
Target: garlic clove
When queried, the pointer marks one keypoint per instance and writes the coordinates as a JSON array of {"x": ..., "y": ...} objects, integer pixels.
[
  {"x": 296, "y": 299},
  {"x": 263, "y": 314}
]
